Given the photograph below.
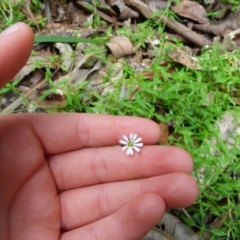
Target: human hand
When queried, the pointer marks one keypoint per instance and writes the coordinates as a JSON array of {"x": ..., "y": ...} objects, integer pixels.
[{"x": 61, "y": 177}]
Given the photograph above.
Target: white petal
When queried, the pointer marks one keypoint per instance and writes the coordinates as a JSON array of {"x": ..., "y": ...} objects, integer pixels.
[
  {"x": 138, "y": 144},
  {"x": 131, "y": 136},
  {"x": 136, "y": 149},
  {"x": 124, "y": 148},
  {"x": 129, "y": 151},
  {"x": 123, "y": 142},
  {"x": 125, "y": 138},
  {"x": 134, "y": 136},
  {"x": 138, "y": 140}
]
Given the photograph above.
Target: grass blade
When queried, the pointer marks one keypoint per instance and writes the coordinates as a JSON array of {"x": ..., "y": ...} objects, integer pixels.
[{"x": 55, "y": 39}]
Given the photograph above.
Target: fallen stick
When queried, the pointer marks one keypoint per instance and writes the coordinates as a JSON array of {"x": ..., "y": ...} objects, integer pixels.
[{"x": 177, "y": 27}]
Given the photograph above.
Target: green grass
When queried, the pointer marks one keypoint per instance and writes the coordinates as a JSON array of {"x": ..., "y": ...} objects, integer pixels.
[{"x": 178, "y": 98}]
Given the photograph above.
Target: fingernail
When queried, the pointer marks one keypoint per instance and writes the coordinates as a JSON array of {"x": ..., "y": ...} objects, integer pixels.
[{"x": 14, "y": 28}]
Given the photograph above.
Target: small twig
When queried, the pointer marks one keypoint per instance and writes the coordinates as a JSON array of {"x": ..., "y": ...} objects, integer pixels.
[
  {"x": 133, "y": 93},
  {"x": 101, "y": 14},
  {"x": 27, "y": 6},
  {"x": 186, "y": 213},
  {"x": 48, "y": 11},
  {"x": 17, "y": 103}
]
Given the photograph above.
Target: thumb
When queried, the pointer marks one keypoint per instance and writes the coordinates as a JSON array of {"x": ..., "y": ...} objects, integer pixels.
[{"x": 15, "y": 47}]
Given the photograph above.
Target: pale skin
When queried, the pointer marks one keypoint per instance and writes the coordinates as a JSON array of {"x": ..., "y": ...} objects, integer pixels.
[{"x": 63, "y": 177}]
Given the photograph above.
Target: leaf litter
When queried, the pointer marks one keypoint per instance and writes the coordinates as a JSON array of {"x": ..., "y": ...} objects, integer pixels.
[{"x": 71, "y": 65}]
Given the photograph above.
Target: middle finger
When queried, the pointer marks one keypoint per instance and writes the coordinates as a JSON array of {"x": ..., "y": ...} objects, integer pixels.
[{"x": 91, "y": 166}]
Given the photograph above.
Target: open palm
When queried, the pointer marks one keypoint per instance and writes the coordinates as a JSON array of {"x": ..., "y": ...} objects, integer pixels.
[{"x": 63, "y": 177}]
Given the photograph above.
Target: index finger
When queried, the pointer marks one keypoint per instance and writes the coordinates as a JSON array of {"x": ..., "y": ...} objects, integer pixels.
[
  {"x": 66, "y": 132},
  {"x": 15, "y": 45}
]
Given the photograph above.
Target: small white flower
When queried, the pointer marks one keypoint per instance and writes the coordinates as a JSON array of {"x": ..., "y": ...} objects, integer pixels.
[{"x": 131, "y": 143}]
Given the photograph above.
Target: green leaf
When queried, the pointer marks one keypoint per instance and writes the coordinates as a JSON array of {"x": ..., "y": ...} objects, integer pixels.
[{"x": 219, "y": 232}]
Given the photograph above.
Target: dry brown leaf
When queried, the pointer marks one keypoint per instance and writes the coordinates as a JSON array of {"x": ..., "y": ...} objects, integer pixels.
[
  {"x": 228, "y": 43},
  {"x": 181, "y": 56},
  {"x": 107, "y": 17},
  {"x": 66, "y": 53},
  {"x": 83, "y": 74},
  {"x": 34, "y": 62},
  {"x": 158, "y": 4},
  {"x": 78, "y": 16},
  {"x": 125, "y": 11},
  {"x": 232, "y": 22},
  {"x": 120, "y": 46},
  {"x": 208, "y": 28},
  {"x": 176, "y": 229},
  {"x": 192, "y": 10},
  {"x": 164, "y": 133},
  {"x": 115, "y": 72},
  {"x": 51, "y": 104},
  {"x": 58, "y": 29},
  {"x": 237, "y": 101},
  {"x": 237, "y": 41},
  {"x": 220, "y": 9}
]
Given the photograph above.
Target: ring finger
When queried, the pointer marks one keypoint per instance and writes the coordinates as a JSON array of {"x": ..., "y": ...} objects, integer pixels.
[{"x": 108, "y": 198}]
